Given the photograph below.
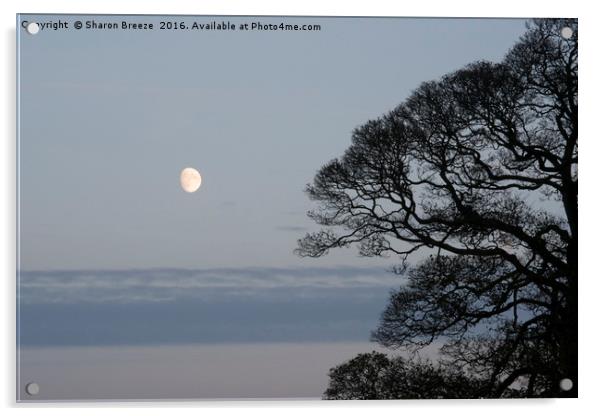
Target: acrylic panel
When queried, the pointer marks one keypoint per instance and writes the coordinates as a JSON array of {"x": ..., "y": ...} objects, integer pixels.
[{"x": 239, "y": 207}]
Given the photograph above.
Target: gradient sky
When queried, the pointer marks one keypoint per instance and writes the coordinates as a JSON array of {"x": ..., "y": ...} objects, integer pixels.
[
  {"x": 112, "y": 251},
  {"x": 109, "y": 118}
]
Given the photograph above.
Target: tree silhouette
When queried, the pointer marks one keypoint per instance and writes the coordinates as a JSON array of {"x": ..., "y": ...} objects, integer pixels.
[
  {"x": 477, "y": 170},
  {"x": 375, "y": 376}
]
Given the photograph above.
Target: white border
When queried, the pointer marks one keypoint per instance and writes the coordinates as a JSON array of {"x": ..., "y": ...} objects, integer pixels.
[{"x": 591, "y": 151}]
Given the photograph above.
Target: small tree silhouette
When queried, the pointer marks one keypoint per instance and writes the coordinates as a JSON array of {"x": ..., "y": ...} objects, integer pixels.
[
  {"x": 375, "y": 376},
  {"x": 480, "y": 170}
]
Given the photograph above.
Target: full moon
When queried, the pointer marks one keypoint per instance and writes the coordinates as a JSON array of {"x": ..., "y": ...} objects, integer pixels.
[{"x": 190, "y": 179}]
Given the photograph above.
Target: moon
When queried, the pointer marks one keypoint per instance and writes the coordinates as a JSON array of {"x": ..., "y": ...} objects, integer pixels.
[{"x": 190, "y": 180}]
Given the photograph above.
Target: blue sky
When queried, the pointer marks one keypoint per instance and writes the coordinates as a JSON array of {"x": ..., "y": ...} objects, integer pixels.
[
  {"x": 113, "y": 253},
  {"x": 109, "y": 119}
]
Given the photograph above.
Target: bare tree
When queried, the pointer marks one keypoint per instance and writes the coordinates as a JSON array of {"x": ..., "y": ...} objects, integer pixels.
[{"x": 479, "y": 171}]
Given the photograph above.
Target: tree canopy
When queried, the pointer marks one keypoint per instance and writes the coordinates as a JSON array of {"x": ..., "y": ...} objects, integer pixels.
[
  {"x": 372, "y": 376},
  {"x": 478, "y": 172}
]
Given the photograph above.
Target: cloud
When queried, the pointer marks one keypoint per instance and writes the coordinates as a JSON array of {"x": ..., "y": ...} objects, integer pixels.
[
  {"x": 179, "y": 306},
  {"x": 165, "y": 284}
]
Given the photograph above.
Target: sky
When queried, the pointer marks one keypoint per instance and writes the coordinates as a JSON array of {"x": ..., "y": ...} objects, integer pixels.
[{"x": 114, "y": 256}]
